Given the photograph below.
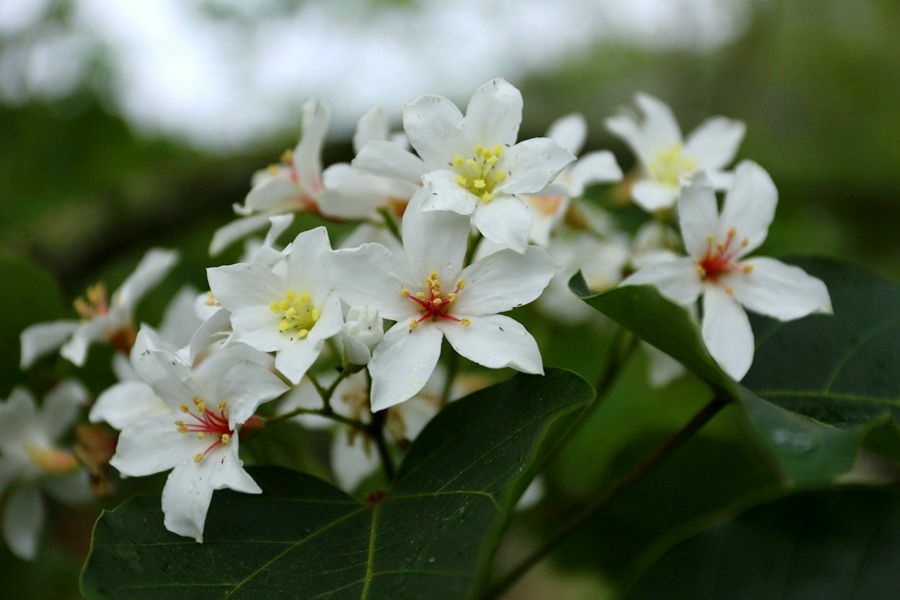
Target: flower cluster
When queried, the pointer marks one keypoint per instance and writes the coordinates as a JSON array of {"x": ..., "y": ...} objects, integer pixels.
[{"x": 457, "y": 222}]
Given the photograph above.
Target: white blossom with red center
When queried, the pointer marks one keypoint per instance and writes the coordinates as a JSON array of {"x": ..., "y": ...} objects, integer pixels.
[
  {"x": 427, "y": 290},
  {"x": 666, "y": 159},
  {"x": 196, "y": 433},
  {"x": 717, "y": 267},
  {"x": 102, "y": 317}
]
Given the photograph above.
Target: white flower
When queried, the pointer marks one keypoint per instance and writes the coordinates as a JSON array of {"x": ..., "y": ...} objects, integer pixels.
[
  {"x": 363, "y": 329},
  {"x": 428, "y": 293},
  {"x": 197, "y": 437},
  {"x": 550, "y": 206},
  {"x": 666, "y": 159},
  {"x": 290, "y": 311},
  {"x": 716, "y": 268},
  {"x": 293, "y": 185},
  {"x": 31, "y": 461},
  {"x": 473, "y": 162},
  {"x": 102, "y": 318}
]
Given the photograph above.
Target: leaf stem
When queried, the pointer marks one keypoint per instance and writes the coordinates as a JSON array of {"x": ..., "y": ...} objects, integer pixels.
[
  {"x": 621, "y": 484},
  {"x": 452, "y": 370},
  {"x": 472, "y": 248},
  {"x": 376, "y": 432}
]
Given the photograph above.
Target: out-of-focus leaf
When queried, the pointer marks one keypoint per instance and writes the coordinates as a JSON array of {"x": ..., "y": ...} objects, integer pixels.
[{"x": 830, "y": 544}]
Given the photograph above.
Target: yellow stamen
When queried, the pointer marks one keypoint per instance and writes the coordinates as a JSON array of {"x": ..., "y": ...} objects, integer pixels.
[{"x": 297, "y": 312}]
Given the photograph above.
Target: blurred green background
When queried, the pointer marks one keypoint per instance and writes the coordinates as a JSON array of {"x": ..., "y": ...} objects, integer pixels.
[{"x": 89, "y": 184}]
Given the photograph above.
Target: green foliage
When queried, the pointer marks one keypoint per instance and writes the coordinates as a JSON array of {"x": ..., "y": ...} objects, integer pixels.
[
  {"x": 431, "y": 534},
  {"x": 828, "y": 544},
  {"x": 30, "y": 295},
  {"x": 802, "y": 449}
]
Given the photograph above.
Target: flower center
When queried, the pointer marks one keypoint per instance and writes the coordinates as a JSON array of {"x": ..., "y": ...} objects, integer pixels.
[
  {"x": 719, "y": 259},
  {"x": 668, "y": 165},
  {"x": 478, "y": 174},
  {"x": 298, "y": 315},
  {"x": 94, "y": 303},
  {"x": 51, "y": 460},
  {"x": 205, "y": 422},
  {"x": 433, "y": 303}
]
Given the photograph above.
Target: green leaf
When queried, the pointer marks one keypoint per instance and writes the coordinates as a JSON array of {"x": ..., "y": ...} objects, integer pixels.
[
  {"x": 829, "y": 544},
  {"x": 801, "y": 447},
  {"x": 431, "y": 535},
  {"x": 30, "y": 295}
]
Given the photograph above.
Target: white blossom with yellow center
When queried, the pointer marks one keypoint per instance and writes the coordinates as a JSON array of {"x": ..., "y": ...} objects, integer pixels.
[
  {"x": 32, "y": 461},
  {"x": 289, "y": 308},
  {"x": 427, "y": 291},
  {"x": 473, "y": 164},
  {"x": 666, "y": 159}
]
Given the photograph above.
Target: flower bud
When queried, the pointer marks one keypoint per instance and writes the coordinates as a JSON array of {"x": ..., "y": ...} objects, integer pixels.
[{"x": 362, "y": 331}]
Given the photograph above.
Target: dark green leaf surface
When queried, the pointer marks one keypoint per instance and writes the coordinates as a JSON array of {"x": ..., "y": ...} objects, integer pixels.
[
  {"x": 830, "y": 544},
  {"x": 852, "y": 347},
  {"x": 30, "y": 295},
  {"x": 431, "y": 536}
]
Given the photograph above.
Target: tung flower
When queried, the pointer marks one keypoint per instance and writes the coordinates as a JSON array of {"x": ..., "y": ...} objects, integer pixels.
[
  {"x": 666, "y": 158},
  {"x": 716, "y": 267},
  {"x": 429, "y": 294}
]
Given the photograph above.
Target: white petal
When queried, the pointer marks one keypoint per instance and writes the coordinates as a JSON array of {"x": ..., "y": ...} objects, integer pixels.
[
  {"x": 652, "y": 195},
  {"x": 257, "y": 326},
  {"x": 403, "y": 362},
  {"x": 17, "y": 416},
  {"x": 434, "y": 127},
  {"x": 307, "y": 154},
  {"x": 154, "y": 445},
  {"x": 228, "y": 472},
  {"x": 331, "y": 320},
  {"x": 390, "y": 160},
  {"x": 531, "y": 165},
  {"x": 232, "y": 232},
  {"x": 42, "y": 338},
  {"x": 126, "y": 403},
  {"x": 569, "y": 132},
  {"x": 75, "y": 350},
  {"x": 161, "y": 369},
  {"x": 121, "y": 367},
  {"x": 594, "y": 167},
  {"x": 780, "y": 291},
  {"x": 369, "y": 275},
  {"x": 660, "y": 127},
  {"x": 715, "y": 142},
  {"x": 677, "y": 280},
  {"x": 444, "y": 194},
  {"x": 505, "y": 220},
  {"x": 180, "y": 320},
  {"x": 244, "y": 387},
  {"x": 371, "y": 127},
  {"x": 152, "y": 269},
  {"x": 495, "y": 341},
  {"x": 294, "y": 360},
  {"x": 494, "y": 114},
  {"x": 270, "y": 194},
  {"x": 210, "y": 372},
  {"x": 434, "y": 240},
  {"x": 727, "y": 332},
  {"x": 23, "y": 519},
  {"x": 214, "y": 329},
  {"x": 503, "y": 281},
  {"x": 352, "y": 193},
  {"x": 244, "y": 284},
  {"x": 749, "y": 205},
  {"x": 306, "y": 263},
  {"x": 351, "y": 463},
  {"x": 698, "y": 215},
  {"x": 186, "y": 497},
  {"x": 628, "y": 130},
  {"x": 61, "y": 407}
]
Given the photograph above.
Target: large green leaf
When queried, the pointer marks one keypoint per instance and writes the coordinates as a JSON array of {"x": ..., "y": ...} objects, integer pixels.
[
  {"x": 802, "y": 448},
  {"x": 432, "y": 535},
  {"x": 831, "y": 544}
]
